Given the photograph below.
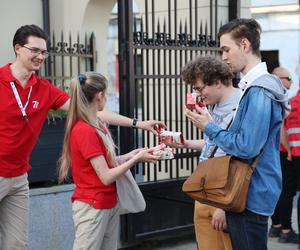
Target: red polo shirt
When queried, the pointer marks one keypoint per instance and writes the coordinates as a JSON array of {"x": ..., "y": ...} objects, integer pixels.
[
  {"x": 292, "y": 125},
  {"x": 85, "y": 143},
  {"x": 18, "y": 136}
]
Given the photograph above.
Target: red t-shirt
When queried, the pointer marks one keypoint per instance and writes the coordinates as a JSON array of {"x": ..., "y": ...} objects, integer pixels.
[
  {"x": 86, "y": 143},
  {"x": 18, "y": 136}
]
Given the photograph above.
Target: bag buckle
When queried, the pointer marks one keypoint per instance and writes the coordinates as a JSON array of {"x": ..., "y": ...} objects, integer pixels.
[{"x": 202, "y": 188}]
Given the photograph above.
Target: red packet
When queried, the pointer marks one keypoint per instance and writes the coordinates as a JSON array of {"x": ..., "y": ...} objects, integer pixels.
[
  {"x": 171, "y": 136},
  {"x": 166, "y": 153},
  {"x": 193, "y": 99},
  {"x": 157, "y": 148},
  {"x": 199, "y": 102},
  {"x": 190, "y": 101},
  {"x": 165, "y": 136}
]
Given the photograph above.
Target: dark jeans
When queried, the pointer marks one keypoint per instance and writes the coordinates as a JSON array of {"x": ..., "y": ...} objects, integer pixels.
[
  {"x": 248, "y": 230},
  {"x": 290, "y": 181}
]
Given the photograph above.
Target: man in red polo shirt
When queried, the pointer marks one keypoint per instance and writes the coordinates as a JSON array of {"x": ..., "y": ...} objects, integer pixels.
[{"x": 25, "y": 100}]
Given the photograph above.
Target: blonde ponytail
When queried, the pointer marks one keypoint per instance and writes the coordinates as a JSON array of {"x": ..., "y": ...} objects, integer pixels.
[{"x": 82, "y": 93}]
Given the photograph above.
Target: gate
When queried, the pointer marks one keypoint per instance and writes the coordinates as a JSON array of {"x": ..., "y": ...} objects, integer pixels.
[
  {"x": 153, "y": 47},
  {"x": 67, "y": 58}
]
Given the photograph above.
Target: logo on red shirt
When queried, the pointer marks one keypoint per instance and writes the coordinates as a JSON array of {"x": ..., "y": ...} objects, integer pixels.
[{"x": 35, "y": 104}]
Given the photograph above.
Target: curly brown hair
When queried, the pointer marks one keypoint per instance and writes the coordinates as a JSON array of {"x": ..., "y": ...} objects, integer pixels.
[{"x": 208, "y": 69}]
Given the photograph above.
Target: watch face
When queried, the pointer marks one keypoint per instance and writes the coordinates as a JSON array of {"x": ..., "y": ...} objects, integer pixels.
[{"x": 134, "y": 122}]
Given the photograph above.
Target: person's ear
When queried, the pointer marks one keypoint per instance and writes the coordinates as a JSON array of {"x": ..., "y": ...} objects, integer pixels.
[
  {"x": 245, "y": 44},
  {"x": 100, "y": 95},
  {"x": 218, "y": 83},
  {"x": 17, "y": 48}
]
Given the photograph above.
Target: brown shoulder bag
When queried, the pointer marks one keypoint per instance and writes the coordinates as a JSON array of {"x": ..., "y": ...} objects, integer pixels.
[{"x": 221, "y": 182}]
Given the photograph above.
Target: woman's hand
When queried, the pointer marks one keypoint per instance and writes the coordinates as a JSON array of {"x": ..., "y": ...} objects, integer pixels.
[
  {"x": 144, "y": 156},
  {"x": 150, "y": 125},
  {"x": 218, "y": 220},
  {"x": 123, "y": 158},
  {"x": 132, "y": 153}
]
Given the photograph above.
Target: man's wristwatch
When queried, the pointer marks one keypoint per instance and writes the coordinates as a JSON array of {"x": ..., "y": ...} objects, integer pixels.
[{"x": 134, "y": 122}]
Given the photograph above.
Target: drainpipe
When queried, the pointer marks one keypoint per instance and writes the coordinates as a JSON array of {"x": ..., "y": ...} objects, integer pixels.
[
  {"x": 234, "y": 7},
  {"x": 46, "y": 27},
  {"x": 46, "y": 16}
]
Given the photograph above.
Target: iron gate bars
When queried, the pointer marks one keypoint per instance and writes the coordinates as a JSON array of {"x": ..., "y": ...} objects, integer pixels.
[
  {"x": 154, "y": 45},
  {"x": 69, "y": 58}
]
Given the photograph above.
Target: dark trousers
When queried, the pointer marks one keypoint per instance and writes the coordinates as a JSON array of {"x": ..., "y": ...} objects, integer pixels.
[
  {"x": 290, "y": 181},
  {"x": 296, "y": 161},
  {"x": 248, "y": 230}
]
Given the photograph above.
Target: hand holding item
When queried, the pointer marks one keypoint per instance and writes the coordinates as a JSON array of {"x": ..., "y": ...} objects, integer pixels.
[
  {"x": 169, "y": 137},
  {"x": 123, "y": 158},
  {"x": 193, "y": 100},
  {"x": 150, "y": 125},
  {"x": 166, "y": 154},
  {"x": 145, "y": 155},
  {"x": 133, "y": 153},
  {"x": 162, "y": 150},
  {"x": 200, "y": 118},
  {"x": 157, "y": 148}
]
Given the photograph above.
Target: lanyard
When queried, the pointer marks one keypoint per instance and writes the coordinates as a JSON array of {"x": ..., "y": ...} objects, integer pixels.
[{"x": 22, "y": 108}]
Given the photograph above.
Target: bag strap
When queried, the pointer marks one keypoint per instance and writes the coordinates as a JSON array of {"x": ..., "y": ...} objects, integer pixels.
[
  {"x": 216, "y": 147},
  {"x": 256, "y": 160}
]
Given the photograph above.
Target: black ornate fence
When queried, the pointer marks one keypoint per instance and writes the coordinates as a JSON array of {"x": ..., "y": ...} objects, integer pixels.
[
  {"x": 68, "y": 57},
  {"x": 159, "y": 44},
  {"x": 161, "y": 87},
  {"x": 154, "y": 45}
]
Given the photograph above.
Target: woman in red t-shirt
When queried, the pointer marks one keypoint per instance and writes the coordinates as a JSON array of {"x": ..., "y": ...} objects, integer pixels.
[{"x": 89, "y": 148}]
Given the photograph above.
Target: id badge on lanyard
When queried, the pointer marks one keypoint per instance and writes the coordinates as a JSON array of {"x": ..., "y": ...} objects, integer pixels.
[{"x": 22, "y": 108}]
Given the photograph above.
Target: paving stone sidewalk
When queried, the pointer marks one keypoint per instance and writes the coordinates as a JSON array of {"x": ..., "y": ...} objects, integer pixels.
[{"x": 188, "y": 243}]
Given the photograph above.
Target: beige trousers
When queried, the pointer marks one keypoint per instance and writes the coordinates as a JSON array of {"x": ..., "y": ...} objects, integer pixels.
[
  {"x": 95, "y": 229},
  {"x": 207, "y": 237},
  {"x": 14, "y": 206}
]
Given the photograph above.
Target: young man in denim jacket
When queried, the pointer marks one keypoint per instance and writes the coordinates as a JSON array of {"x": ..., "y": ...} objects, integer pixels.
[{"x": 255, "y": 129}]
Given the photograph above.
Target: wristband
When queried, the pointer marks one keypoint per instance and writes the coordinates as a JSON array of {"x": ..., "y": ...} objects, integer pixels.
[{"x": 134, "y": 122}]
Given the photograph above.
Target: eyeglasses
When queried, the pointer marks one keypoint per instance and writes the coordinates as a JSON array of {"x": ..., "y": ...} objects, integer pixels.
[
  {"x": 36, "y": 52},
  {"x": 199, "y": 89},
  {"x": 289, "y": 78}
]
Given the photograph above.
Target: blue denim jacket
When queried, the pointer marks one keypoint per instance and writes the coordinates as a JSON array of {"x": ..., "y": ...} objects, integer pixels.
[{"x": 256, "y": 127}]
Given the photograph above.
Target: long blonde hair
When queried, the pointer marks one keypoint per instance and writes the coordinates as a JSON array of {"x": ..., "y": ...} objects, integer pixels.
[{"x": 83, "y": 90}]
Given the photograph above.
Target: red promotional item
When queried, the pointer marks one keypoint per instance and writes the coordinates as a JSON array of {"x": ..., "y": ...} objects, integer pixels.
[
  {"x": 165, "y": 152},
  {"x": 165, "y": 136},
  {"x": 192, "y": 99},
  {"x": 157, "y": 148}
]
